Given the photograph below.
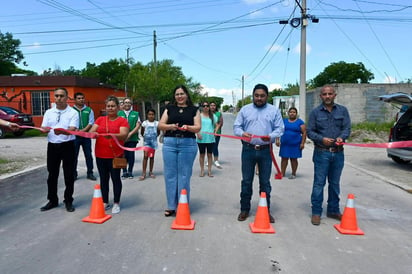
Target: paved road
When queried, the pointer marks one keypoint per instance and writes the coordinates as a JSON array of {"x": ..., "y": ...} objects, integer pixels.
[{"x": 139, "y": 239}]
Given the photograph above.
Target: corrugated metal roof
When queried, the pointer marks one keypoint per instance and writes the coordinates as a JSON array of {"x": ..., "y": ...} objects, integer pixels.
[{"x": 51, "y": 81}]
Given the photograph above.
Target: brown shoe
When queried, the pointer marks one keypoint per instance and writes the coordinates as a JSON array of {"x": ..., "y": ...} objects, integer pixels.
[
  {"x": 243, "y": 216},
  {"x": 315, "y": 220},
  {"x": 336, "y": 216}
]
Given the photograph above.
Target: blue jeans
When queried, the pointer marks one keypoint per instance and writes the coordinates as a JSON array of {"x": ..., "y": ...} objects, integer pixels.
[
  {"x": 178, "y": 157},
  {"x": 216, "y": 146},
  {"x": 327, "y": 165},
  {"x": 86, "y": 144},
  {"x": 130, "y": 157},
  {"x": 251, "y": 157}
]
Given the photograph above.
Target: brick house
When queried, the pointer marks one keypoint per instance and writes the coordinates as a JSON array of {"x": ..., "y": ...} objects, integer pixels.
[{"x": 34, "y": 94}]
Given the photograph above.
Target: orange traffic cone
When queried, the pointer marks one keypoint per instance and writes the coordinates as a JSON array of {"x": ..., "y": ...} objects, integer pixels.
[
  {"x": 348, "y": 224},
  {"x": 183, "y": 220},
  {"x": 262, "y": 224},
  {"x": 97, "y": 214}
]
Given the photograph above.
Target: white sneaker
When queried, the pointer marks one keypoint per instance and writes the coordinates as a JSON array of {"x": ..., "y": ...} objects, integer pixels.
[
  {"x": 116, "y": 209},
  {"x": 217, "y": 164},
  {"x": 107, "y": 206}
]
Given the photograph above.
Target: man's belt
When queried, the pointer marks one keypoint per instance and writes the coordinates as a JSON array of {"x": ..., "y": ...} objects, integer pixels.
[
  {"x": 330, "y": 149},
  {"x": 256, "y": 147}
]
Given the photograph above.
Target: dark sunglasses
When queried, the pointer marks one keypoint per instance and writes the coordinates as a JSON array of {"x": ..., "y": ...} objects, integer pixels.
[{"x": 205, "y": 106}]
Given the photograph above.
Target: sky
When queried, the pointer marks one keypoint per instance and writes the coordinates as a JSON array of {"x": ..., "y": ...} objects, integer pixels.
[{"x": 216, "y": 42}]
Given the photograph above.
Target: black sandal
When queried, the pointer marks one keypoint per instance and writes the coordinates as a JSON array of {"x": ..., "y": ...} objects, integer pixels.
[{"x": 169, "y": 213}]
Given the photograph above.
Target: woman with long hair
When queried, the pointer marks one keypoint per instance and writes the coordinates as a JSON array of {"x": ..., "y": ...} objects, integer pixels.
[
  {"x": 205, "y": 141},
  {"x": 180, "y": 121}
]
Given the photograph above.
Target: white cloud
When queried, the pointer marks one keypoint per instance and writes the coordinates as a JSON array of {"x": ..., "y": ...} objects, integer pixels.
[
  {"x": 35, "y": 45},
  {"x": 296, "y": 49},
  {"x": 226, "y": 94},
  {"x": 389, "y": 79},
  {"x": 275, "y": 86},
  {"x": 275, "y": 48}
]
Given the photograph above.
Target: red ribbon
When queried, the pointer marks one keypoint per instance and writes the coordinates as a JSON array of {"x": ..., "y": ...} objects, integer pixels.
[
  {"x": 382, "y": 145},
  {"x": 278, "y": 175},
  {"x": 93, "y": 135}
]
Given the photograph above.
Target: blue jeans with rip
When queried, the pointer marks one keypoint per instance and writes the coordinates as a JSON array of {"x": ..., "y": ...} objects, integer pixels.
[
  {"x": 327, "y": 165},
  {"x": 178, "y": 157},
  {"x": 251, "y": 157}
]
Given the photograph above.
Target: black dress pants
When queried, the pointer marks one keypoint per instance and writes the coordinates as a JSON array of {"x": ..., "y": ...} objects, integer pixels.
[{"x": 57, "y": 153}]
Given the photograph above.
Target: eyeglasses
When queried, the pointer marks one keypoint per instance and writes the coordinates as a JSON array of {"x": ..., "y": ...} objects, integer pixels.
[
  {"x": 205, "y": 106},
  {"x": 58, "y": 116}
]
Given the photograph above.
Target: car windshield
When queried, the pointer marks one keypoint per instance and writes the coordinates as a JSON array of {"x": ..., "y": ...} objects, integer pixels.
[{"x": 9, "y": 110}]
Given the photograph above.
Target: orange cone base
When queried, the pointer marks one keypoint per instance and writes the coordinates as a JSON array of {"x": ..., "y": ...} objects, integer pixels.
[
  {"x": 357, "y": 231},
  {"x": 96, "y": 221},
  {"x": 190, "y": 226},
  {"x": 254, "y": 229}
]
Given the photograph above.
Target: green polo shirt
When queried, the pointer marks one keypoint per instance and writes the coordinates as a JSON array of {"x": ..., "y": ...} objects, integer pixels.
[{"x": 132, "y": 119}]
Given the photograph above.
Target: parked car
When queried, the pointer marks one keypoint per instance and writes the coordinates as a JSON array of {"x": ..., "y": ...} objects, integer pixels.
[
  {"x": 402, "y": 130},
  {"x": 15, "y": 116}
]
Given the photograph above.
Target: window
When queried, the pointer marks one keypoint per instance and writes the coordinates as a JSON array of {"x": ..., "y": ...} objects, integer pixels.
[{"x": 40, "y": 101}]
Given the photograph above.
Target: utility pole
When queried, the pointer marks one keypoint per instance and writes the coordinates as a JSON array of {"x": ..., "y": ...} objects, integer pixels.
[
  {"x": 155, "y": 71},
  {"x": 302, "y": 22},
  {"x": 302, "y": 85},
  {"x": 243, "y": 90}
]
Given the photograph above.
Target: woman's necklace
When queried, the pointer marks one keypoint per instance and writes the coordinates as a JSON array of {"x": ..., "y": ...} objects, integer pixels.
[{"x": 181, "y": 108}]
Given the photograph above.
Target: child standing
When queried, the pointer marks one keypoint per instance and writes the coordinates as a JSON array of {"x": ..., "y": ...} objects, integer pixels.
[{"x": 149, "y": 132}]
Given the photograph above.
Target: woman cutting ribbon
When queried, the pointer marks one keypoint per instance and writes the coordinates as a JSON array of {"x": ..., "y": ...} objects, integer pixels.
[{"x": 106, "y": 150}]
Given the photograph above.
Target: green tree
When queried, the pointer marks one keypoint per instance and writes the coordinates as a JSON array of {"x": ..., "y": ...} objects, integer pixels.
[
  {"x": 113, "y": 72},
  {"x": 342, "y": 72},
  {"x": 150, "y": 84},
  {"x": 10, "y": 55},
  {"x": 292, "y": 89}
]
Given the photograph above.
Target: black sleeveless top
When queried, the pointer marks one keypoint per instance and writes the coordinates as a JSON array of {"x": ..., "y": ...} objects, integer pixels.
[{"x": 181, "y": 116}]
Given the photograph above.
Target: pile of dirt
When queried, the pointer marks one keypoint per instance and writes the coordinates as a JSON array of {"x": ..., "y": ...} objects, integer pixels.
[{"x": 366, "y": 136}]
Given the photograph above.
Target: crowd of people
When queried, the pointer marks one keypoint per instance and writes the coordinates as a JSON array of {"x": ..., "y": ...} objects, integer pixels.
[{"x": 187, "y": 129}]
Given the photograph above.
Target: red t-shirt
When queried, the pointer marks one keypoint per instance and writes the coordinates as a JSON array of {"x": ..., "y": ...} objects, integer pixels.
[{"x": 107, "y": 148}]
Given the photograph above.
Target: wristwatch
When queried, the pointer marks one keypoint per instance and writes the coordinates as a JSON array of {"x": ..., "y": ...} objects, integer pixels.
[{"x": 8, "y": 124}]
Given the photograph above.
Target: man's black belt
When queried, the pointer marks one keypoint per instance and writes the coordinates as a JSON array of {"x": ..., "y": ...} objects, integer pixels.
[
  {"x": 255, "y": 147},
  {"x": 330, "y": 149}
]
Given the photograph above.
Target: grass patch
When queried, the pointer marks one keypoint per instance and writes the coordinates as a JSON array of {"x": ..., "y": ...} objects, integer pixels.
[
  {"x": 373, "y": 127},
  {"x": 27, "y": 133},
  {"x": 34, "y": 133},
  {"x": 3, "y": 161}
]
